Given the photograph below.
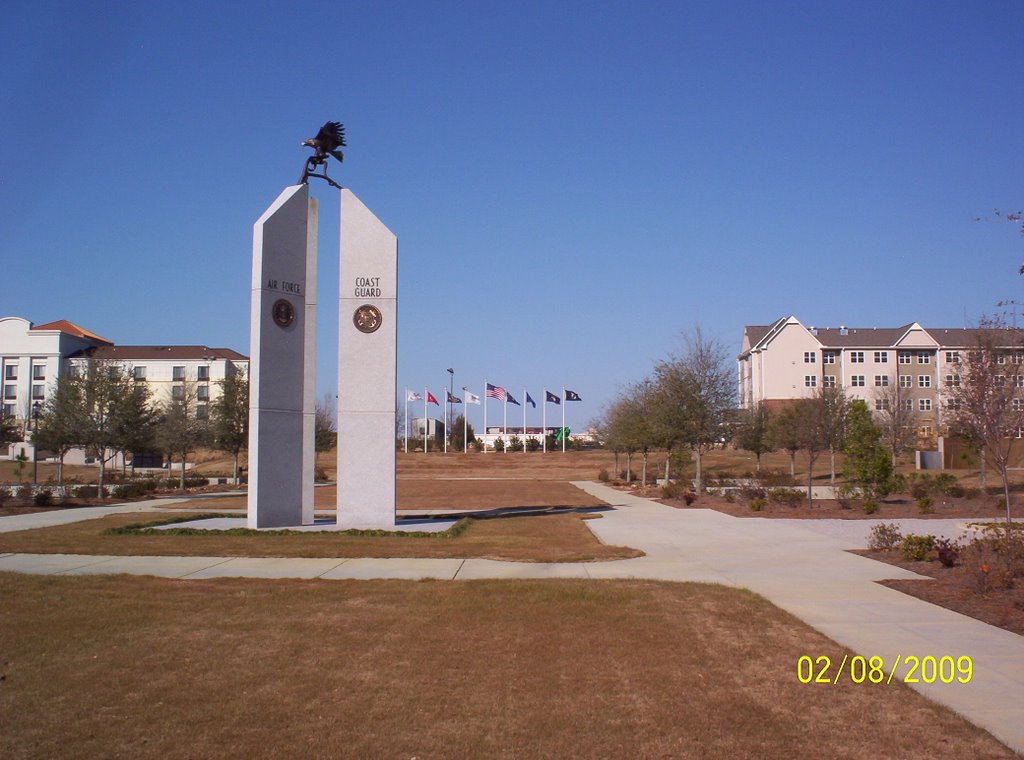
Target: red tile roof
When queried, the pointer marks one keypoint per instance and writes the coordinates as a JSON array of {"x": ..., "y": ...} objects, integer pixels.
[{"x": 62, "y": 325}]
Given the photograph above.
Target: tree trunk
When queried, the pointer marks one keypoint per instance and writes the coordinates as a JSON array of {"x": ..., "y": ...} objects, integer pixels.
[
  {"x": 757, "y": 456},
  {"x": 981, "y": 476},
  {"x": 235, "y": 469},
  {"x": 668, "y": 460},
  {"x": 643, "y": 476},
  {"x": 182, "y": 479},
  {"x": 832, "y": 464},
  {"x": 810, "y": 479},
  {"x": 60, "y": 468},
  {"x": 629, "y": 466},
  {"x": 103, "y": 467},
  {"x": 615, "y": 474},
  {"x": 699, "y": 460},
  {"x": 792, "y": 464}
]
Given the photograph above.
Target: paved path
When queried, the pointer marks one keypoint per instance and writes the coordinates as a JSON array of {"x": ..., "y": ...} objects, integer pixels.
[{"x": 801, "y": 566}]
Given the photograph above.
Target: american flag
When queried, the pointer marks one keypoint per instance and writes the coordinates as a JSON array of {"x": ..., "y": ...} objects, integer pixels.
[{"x": 496, "y": 391}]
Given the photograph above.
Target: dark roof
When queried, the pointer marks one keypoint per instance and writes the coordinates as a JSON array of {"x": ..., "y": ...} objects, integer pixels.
[
  {"x": 871, "y": 337},
  {"x": 144, "y": 353}
]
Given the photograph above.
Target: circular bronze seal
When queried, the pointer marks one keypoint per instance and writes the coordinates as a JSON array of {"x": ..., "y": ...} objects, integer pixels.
[
  {"x": 283, "y": 312},
  {"x": 367, "y": 318}
]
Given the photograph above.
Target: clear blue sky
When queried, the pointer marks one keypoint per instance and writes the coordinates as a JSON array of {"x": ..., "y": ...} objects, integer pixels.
[{"x": 572, "y": 184}]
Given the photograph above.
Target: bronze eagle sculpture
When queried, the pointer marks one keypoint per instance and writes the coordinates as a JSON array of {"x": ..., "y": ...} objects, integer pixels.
[{"x": 326, "y": 143}]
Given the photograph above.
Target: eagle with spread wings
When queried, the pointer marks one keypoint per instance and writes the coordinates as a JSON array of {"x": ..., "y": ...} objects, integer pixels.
[{"x": 326, "y": 143}]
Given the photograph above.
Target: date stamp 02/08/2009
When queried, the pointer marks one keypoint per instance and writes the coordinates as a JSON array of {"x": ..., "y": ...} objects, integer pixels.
[{"x": 858, "y": 669}]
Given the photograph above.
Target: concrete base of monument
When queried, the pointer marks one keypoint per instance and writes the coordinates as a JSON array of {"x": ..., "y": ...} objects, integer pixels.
[{"x": 403, "y": 525}]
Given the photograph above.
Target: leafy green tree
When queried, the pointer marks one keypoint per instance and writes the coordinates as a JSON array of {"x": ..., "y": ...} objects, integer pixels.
[
  {"x": 10, "y": 430},
  {"x": 866, "y": 459},
  {"x": 180, "y": 430},
  {"x": 515, "y": 443},
  {"x": 104, "y": 387},
  {"x": 753, "y": 432},
  {"x": 60, "y": 424},
  {"x": 134, "y": 422},
  {"x": 458, "y": 441},
  {"x": 229, "y": 418}
]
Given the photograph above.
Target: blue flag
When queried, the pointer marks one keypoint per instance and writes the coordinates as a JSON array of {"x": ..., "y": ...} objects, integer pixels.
[
  {"x": 551, "y": 398},
  {"x": 511, "y": 399},
  {"x": 530, "y": 401}
]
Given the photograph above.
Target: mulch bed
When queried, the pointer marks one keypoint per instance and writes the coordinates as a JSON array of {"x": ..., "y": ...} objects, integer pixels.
[{"x": 956, "y": 589}]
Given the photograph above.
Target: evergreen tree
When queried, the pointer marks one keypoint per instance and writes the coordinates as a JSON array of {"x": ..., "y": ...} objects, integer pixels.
[{"x": 866, "y": 459}]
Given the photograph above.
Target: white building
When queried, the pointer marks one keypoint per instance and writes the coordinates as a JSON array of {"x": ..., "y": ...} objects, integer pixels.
[
  {"x": 786, "y": 360},
  {"x": 32, "y": 357}
]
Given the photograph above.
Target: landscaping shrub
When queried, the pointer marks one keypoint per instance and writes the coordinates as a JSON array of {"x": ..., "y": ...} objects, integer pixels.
[
  {"x": 749, "y": 493},
  {"x": 4, "y": 496},
  {"x": 924, "y": 505},
  {"x": 995, "y": 559},
  {"x": 603, "y": 475},
  {"x": 845, "y": 494},
  {"x": 758, "y": 504},
  {"x": 689, "y": 497},
  {"x": 25, "y": 492},
  {"x": 788, "y": 496},
  {"x": 920, "y": 490},
  {"x": 947, "y": 551},
  {"x": 917, "y": 548},
  {"x": 671, "y": 490},
  {"x": 870, "y": 506},
  {"x": 87, "y": 492},
  {"x": 884, "y": 536},
  {"x": 134, "y": 489},
  {"x": 945, "y": 482},
  {"x": 768, "y": 478},
  {"x": 729, "y": 496},
  {"x": 43, "y": 498},
  {"x": 971, "y": 492}
]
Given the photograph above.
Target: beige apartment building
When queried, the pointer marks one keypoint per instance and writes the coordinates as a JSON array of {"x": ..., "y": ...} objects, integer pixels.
[{"x": 787, "y": 360}]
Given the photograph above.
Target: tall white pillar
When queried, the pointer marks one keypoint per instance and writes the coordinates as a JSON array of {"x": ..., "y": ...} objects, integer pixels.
[
  {"x": 280, "y": 360},
  {"x": 367, "y": 368}
]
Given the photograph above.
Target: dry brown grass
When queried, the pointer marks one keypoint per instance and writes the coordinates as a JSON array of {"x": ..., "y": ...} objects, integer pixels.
[
  {"x": 535, "y": 538},
  {"x": 133, "y": 667}
]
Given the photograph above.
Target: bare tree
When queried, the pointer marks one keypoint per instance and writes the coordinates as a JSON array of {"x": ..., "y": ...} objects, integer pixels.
[
  {"x": 629, "y": 425},
  {"x": 325, "y": 432},
  {"x": 103, "y": 388},
  {"x": 182, "y": 429},
  {"x": 987, "y": 404},
  {"x": 229, "y": 419},
  {"x": 896, "y": 418}
]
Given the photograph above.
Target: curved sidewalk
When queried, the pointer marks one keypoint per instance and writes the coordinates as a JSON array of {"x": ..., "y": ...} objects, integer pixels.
[{"x": 802, "y": 569}]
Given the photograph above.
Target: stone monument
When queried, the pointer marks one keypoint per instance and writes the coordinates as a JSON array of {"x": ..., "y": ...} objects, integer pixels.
[
  {"x": 282, "y": 453},
  {"x": 282, "y": 360},
  {"x": 367, "y": 368}
]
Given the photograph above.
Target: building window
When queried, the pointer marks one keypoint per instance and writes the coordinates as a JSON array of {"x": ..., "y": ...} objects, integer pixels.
[
  {"x": 953, "y": 380},
  {"x": 952, "y": 357},
  {"x": 38, "y": 392},
  {"x": 1000, "y": 380},
  {"x": 1018, "y": 357},
  {"x": 1000, "y": 358},
  {"x": 923, "y": 357},
  {"x": 856, "y": 357},
  {"x": 202, "y": 412},
  {"x": 178, "y": 373},
  {"x": 857, "y": 381},
  {"x": 829, "y": 381},
  {"x": 10, "y": 391},
  {"x": 10, "y": 372},
  {"x": 8, "y": 410},
  {"x": 75, "y": 371},
  {"x": 881, "y": 404},
  {"x": 907, "y": 405},
  {"x": 924, "y": 404},
  {"x": 881, "y": 381},
  {"x": 203, "y": 373},
  {"x": 906, "y": 381},
  {"x": 809, "y": 357},
  {"x": 1017, "y": 404},
  {"x": 38, "y": 371},
  {"x": 811, "y": 381},
  {"x": 203, "y": 393},
  {"x": 1020, "y": 381},
  {"x": 953, "y": 403},
  {"x": 177, "y": 392},
  {"x": 924, "y": 381},
  {"x": 881, "y": 357},
  {"x": 925, "y": 431},
  {"x": 828, "y": 357},
  {"x": 904, "y": 357},
  {"x": 139, "y": 373},
  {"x": 1018, "y": 433}
]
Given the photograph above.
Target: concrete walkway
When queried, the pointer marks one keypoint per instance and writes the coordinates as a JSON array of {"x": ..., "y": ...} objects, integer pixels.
[{"x": 801, "y": 566}]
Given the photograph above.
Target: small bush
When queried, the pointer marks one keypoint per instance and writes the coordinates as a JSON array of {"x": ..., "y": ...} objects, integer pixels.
[
  {"x": 947, "y": 551},
  {"x": 603, "y": 475},
  {"x": 672, "y": 490},
  {"x": 971, "y": 493},
  {"x": 729, "y": 496},
  {"x": 917, "y": 548},
  {"x": 924, "y": 505},
  {"x": 919, "y": 490},
  {"x": 956, "y": 491},
  {"x": 689, "y": 497},
  {"x": 898, "y": 483},
  {"x": 758, "y": 504},
  {"x": 768, "y": 478},
  {"x": 43, "y": 498},
  {"x": 884, "y": 536},
  {"x": 845, "y": 494},
  {"x": 25, "y": 492},
  {"x": 788, "y": 496},
  {"x": 87, "y": 492},
  {"x": 749, "y": 493},
  {"x": 870, "y": 506},
  {"x": 945, "y": 482},
  {"x": 4, "y": 496}
]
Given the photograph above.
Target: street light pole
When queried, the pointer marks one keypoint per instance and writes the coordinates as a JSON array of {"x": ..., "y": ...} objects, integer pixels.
[
  {"x": 448, "y": 424},
  {"x": 35, "y": 445}
]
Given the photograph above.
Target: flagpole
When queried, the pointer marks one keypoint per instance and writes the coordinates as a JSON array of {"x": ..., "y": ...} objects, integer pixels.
[
  {"x": 406, "y": 420},
  {"x": 524, "y": 420},
  {"x": 504, "y": 434},
  {"x": 564, "y": 435},
  {"x": 447, "y": 406},
  {"x": 544, "y": 425},
  {"x": 465, "y": 419},
  {"x": 425, "y": 426},
  {"x": 485, "y": 416}
]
